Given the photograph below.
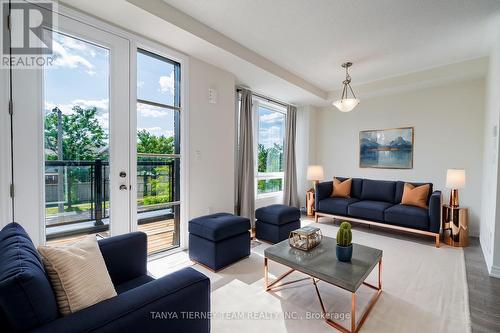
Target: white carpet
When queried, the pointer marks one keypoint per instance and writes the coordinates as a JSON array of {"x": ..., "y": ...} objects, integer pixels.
[{"x": 424, "y": 290}]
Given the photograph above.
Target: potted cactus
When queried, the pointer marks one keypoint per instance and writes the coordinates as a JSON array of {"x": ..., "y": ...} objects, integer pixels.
[{"x": 344, "y": 242}]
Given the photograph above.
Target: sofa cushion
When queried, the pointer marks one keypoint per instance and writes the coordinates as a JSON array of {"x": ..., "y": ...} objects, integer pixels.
[
  {"x": 356, "y": 186},
  {"x": 277, "y": 214},
  {"x": 336, "y": 206},
  {"x": 218, "y": 226},
  {"x": 78, "y": 274},
  {"x": 379, "y": 190},
  {"x": 26, "y": 297},
  {"x": 408, "y": 216},
  {"x": 134, "y": 283},
  {"x": 341, "y": 189},
  {"x": 400, "y": 188},
  {"x": 416, "y": 196},
  {"x": 369, "y": 210}
]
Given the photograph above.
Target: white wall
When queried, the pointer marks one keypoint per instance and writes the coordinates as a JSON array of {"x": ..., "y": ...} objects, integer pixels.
[
  {"x": 305, "y": 148},
  {"x": 211, "y": 140},
  {"x": 448, "y": 122},
  {"x": 5, "y": 203},
  {"x": 490, "y": 229}
]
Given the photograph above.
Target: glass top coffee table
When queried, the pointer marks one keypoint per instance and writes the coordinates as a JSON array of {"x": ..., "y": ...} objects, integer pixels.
[{"x": 321, "y": 264}]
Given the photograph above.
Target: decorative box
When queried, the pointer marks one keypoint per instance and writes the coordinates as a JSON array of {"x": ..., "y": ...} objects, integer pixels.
[{"x": 305, "y": 238}]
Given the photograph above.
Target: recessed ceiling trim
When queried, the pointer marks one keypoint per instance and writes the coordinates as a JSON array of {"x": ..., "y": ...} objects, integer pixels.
[
  {"x": 431, "y": 77},
  {"x": 170, "y": 14}
]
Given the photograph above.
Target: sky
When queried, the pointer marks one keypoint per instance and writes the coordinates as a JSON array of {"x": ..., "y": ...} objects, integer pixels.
[
  {"x": 80, "y": 76},
  {"x": 271, "y": 127}
]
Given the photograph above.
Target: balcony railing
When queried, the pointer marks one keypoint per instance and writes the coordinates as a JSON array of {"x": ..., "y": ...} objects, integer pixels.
[{"x": 77, "y": 195}]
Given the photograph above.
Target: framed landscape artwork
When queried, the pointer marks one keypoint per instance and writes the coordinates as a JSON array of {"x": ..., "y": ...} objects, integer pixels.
[{"x": 387, "y": 148}]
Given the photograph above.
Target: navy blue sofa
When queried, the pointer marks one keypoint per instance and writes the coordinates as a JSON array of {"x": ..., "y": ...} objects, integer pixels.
[
  {"x": 378, "y": 202},
  {"x": 143, "y": 304}
]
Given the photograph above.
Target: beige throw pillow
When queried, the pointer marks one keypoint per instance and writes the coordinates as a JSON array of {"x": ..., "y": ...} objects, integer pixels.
[
  {"x": 78, "y": 274},
  {"x": 415, "y": 196},
  {"x": 341, "y": 189}
]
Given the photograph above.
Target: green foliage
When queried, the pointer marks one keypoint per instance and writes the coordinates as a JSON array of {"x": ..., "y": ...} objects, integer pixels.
[
  {"x": 270, "y": 159},
  {"x": 269, "y": 185},
  {"x": 158, "y": 177},
  {"x": 82, "y": 135},
  {"x": 82, "y": 140},
  {"x": 153, "y": 200},
  {"x": 344, "y": 235},
  {"x": 152, "y": 144}
]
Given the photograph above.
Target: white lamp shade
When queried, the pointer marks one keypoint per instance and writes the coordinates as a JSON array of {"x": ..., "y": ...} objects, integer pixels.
[
  {"x": 455, "y": 178},
  {"x": 315, "y": 172},
  {"x": 346, "y": 104}
]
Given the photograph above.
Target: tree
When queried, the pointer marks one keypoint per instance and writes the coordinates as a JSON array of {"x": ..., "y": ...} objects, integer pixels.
[
  {"x": 152, "y": 144},
  {"x": 270, "y": 159},
  {"x": 83, "y": 135},
  {"x": 262, "y": 158},
  {"x": 82, "y": 139}
]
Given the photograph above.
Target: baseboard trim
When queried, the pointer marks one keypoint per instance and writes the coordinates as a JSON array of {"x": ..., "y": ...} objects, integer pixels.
[{"x": 495, "y": 272}]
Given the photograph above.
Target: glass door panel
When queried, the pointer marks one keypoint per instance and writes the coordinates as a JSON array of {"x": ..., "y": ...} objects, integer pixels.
[
  {"x": 158, "y": 151},
  {"x": 76, "y": 140}
]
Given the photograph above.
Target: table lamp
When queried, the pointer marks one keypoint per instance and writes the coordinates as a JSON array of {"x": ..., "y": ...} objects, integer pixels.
[
  {"x": 315, "y": 173},
  {"x": 455, "y": 179}
]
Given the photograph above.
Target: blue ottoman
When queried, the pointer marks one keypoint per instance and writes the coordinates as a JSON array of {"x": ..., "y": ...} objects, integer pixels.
[
  {"x": 275, "y": 222},
  {"x": 219, "y": 240}
]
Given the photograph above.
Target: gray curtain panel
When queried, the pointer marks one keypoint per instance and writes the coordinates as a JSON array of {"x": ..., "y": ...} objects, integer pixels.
[
  {"x": 290, "y": 195},
  {"x": 245, "y": 196}
]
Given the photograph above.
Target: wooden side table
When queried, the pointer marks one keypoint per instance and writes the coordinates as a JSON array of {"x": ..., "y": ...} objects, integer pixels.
[
  {"x": 310, "y": 202},
  {"x": 456, "y": 226}
]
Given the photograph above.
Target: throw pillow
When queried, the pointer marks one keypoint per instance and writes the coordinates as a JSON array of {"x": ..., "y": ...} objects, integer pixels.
[
  {"x": 341, "y": 189},
  {"x": 415, "y": 196},
  {"x": 78, "y": 274}
]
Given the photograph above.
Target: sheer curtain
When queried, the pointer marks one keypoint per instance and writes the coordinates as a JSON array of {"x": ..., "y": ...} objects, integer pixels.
[
  {"x": 290, "y": 195},
  {"x": 245, "y": 192}
]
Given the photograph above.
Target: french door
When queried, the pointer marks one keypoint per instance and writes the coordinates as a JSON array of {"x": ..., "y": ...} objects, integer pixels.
[
  {"x": 97, "y": 137},
  {"x": 71, "y": 136}
]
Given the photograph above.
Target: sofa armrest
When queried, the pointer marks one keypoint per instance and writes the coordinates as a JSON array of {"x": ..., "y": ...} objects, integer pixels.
[
  {"x": 435, "y": 212},
  {"x": 323, "y": 190},
  {"x": 125, "y": 256},
  {"x": 178, "y": 302}
]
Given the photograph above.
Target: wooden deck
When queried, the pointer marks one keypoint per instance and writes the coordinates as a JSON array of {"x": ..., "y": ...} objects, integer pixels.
[{"x": 160, "y": 236}]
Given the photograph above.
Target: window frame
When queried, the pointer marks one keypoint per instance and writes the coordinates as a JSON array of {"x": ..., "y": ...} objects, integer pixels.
[
  {"x": 177, "y": 108},
  {"x": 257, "y": 102}
]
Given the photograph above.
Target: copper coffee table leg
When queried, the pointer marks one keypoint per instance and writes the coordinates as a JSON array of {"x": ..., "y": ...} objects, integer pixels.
[{"x": 326, "y": 316}]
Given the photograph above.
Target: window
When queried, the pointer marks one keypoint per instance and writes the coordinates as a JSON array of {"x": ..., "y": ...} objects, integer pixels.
[
  {"x": 158, "y": 150},
  {"x": 270, "y": 122}
]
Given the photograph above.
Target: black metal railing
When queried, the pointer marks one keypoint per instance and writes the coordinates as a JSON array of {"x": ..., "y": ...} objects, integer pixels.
[{"x": 85, "y": 187}]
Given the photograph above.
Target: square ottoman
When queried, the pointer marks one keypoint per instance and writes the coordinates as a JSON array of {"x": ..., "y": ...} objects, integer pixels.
[
  {"x": 275, "y": 222},
  {"x": 219, "y": 240}
]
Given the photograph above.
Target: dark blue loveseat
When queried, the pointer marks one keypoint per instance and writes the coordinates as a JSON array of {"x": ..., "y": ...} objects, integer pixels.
[
  {"x": 378, "y": 202},
  {"x": 179, "y": 302}
]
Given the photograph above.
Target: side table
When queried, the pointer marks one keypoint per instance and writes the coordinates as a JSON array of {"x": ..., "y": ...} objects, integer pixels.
[
  {"x": 456, "y": 226},
  {"x": 310, "y": 202}
]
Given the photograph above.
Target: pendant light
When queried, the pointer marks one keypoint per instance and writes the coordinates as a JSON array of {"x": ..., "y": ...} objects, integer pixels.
[{"x": 346, "y": 104}]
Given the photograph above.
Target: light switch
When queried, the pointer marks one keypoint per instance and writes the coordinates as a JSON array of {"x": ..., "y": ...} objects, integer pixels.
[{"x": 212, "y": 96}]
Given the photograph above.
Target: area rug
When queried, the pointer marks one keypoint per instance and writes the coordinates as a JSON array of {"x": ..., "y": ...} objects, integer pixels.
[{"x": 424, "y": 290}]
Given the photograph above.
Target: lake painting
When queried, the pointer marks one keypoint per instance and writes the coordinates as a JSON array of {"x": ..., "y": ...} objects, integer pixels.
[{"x": 388, "y": 148}]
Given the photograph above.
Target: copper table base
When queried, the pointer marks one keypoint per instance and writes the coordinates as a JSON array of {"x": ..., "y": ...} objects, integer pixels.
[
  {"x": 354, "y": 327},
  {"x": 456, "y": 226}
]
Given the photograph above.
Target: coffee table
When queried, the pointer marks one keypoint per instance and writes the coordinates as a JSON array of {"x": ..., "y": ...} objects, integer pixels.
[{"x": 321, "y": 264}]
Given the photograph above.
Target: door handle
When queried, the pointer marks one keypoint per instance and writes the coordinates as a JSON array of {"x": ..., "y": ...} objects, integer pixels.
[{"x": 123, "y": 187}]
